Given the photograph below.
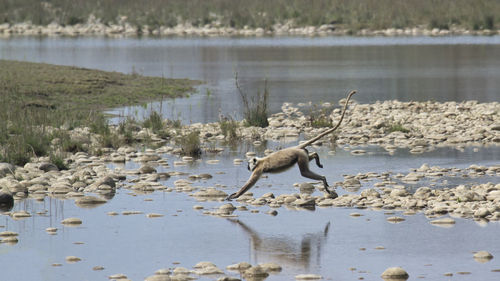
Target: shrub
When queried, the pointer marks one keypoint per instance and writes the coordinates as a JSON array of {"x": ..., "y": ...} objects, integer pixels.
[
  {"x": 319, "y": 118},
  {"x": 190, "y": 144},
  {"x": 58, "y": 161},
  {"x": 229, "y": 128},
  {"x": 154, "y": 122},
  {"x": 99, "y": 125},
  {"x": 255, "y": 109}
]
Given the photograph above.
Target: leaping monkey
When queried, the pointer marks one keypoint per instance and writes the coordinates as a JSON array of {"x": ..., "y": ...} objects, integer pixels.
[{"x": 284, "y": 159}]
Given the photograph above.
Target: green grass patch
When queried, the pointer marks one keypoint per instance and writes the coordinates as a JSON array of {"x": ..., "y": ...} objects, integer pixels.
[
  {"x": 40, "y": 104},
  {"x": 64, "y": 87},
  {"x": 397, "y": 127},
  {"x": 229, "y": 128}
]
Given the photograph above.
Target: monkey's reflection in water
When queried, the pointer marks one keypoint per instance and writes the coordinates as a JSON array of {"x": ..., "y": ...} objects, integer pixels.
[{"x": 285, "y": 250}]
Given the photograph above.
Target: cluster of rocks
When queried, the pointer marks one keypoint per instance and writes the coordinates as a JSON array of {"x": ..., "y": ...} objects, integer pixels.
[
  {"x": 94, "y": 27},
  {"x": 39, "y": 179},
  {"x": 393, "y": 124},
  {"x": 478, "y": 201},
  {"x": 204, "y": 269},
  {"x": 418, "y": 126}
]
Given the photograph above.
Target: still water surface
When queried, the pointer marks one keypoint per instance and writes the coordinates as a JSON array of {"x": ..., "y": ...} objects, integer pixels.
[
  {"x": 297, "y": 69},
  {"x": 325, "y": 241}
]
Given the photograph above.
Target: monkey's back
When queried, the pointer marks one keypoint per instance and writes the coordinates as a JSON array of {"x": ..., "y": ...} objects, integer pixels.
[{"x": 282, "y": 160}]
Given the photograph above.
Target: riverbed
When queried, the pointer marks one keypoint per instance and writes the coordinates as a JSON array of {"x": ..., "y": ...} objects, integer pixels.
[{"x": 336, "y": 243}]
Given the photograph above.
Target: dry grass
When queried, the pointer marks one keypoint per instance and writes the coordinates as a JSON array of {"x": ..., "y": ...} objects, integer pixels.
[{"x": 352, "y": 14}]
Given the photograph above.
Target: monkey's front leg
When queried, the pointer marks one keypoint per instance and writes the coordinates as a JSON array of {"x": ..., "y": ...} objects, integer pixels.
[{"x": 251, "y": 181}]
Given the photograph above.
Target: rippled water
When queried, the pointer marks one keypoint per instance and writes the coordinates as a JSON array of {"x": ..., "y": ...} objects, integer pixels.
[
  {"x": 326, "y": 241},
  {"x": 297, "y": 69}
]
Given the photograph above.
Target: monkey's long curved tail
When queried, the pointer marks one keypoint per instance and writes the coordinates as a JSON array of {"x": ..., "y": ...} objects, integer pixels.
[{"x": 309, "y": 142}]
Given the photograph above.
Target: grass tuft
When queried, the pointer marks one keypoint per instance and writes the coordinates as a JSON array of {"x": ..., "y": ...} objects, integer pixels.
[
  {"x": 318, "y": 118},
  {"x": 229, "y": 128},
  {"x": 255, "y": 108},
  {"x": 190, "y": 144},
  {"x": 397, "y": 127}
]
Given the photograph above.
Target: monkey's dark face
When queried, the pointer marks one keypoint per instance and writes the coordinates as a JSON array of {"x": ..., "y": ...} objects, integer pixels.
[{"x": 252, "y": 163}]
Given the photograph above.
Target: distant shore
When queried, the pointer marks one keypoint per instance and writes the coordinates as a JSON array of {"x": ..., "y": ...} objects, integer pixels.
[{"x": 125, "y": 29}]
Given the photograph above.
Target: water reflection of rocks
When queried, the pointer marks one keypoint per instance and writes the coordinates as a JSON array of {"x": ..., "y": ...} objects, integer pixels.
[{"x": 285, "y": 250}]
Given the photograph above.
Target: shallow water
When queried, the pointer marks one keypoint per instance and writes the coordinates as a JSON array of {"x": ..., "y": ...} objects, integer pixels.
[
  {"x": 298, "y": 69},
  {"x": 326, "y": 241}
]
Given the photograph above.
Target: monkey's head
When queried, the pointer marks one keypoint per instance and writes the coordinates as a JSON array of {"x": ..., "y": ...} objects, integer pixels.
[{"x": 252, "y": 163}]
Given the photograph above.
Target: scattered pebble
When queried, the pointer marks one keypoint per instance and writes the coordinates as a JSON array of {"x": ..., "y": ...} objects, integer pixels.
[
  {"x": 128, "y": 213},
  {"x": 444, "y": 221},
  {"x": 154, "y": 215},
  {"x": 72, "y": 259},
  {"x": 396, "y": 273},
  {"x": 239, "y": 266},
  {"x": 395, "y": 219},
  {"x": 255, "y": 272},
  {"x": 117, "y": 276},
  {"x": 483, "y": 256},
  {"x": 308, "y": 277},
  {"x": 51, "y": 230},
  {"x": 71, "y": 221},
  {"x": 8, "y": 234}
]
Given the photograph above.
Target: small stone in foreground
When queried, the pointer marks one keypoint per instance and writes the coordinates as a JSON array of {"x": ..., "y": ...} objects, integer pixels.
[
  {"x": 228, "y": 278},
  {"x": 483, "y": 256},
  {"x": 239, "y": 266},
  {"x": 117, "y": 276},
  {"x": 98, "y": 267},
  {"x": 443, "y": 221},
  {"x": 395, "y": 219},
  {"x": 72, "y": 259},
  {"x": 51, "y": 230},
  {"x": 395, "y": 273},
  {"x": 72, "y": 221},
  {"x": 8, "y": 234},
  {"x": 308, "y": 277},
  {"x": 154, "y": 215},
  {"x": 255, "y": 271}
]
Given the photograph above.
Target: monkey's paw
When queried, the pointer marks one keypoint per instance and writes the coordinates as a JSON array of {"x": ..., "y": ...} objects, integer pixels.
[
  {"x": 230, "y": 197},
  {"x": 332, "y": 194}
]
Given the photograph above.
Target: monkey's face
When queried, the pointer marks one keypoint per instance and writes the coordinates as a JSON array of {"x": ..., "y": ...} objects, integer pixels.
[{"x": 252, "y": 163}]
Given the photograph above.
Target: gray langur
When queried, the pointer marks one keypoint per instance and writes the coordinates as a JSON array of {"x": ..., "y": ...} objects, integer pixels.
[{"x": 284, "y": 159}]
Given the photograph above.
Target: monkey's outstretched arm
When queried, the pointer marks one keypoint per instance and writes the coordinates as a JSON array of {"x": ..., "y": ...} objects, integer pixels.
[{"x": 251, "y": 181}]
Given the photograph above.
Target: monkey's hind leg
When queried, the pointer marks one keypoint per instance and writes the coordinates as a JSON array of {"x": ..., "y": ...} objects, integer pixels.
[
  {"x": 315, "y": 156},
  {"x": 305, "y": 172}
]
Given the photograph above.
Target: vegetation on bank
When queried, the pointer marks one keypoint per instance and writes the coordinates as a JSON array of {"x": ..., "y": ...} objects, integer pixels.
[
  {"x": 349, "y": 14},
  {"x": 255, "y": 107},
  {"x": 41, "y": 104}
]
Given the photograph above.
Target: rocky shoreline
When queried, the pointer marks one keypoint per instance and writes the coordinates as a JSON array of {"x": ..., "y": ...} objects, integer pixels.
[
  {"x": 95, "y": 27},
  {"x": 428, "y": 125}
]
